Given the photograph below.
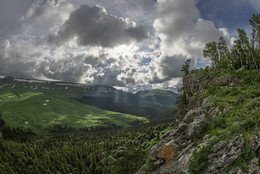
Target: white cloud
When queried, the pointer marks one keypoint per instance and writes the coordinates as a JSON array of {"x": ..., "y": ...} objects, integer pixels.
[
  {"x": 153, "y": 63},
  {"x": 44, "y": 18},
  {"x": 183, "y": 34}
]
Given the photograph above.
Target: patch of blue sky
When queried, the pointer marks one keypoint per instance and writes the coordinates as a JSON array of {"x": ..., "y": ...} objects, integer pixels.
[
  {"x": 225, "y": 13},
  {"x": 143, "y": 71},
  {"x": 202, "y": 64},
  {"x": 145, "y": 61}
]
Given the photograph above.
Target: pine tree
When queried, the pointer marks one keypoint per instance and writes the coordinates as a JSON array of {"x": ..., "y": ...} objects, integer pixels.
[{"x": 186, "y": 67}]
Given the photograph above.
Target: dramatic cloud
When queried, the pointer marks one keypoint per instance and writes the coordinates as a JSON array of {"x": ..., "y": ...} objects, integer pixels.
[
  {"x": 131, "y": 45},
  {"x": 140, "y": 11},
  {"x": 182, "y": 34},
  {"x": 41, "y": 19},
  {"x": 93, "y": 26}
]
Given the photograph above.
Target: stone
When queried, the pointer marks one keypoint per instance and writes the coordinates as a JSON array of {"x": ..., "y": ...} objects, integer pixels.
[
  {"x": 236, "y": 171},
  {"x": 214, "y": 113},
  {"x": 169, "y": 136},
  {"x": 254, "y": 142},
  {"x": 254, "y": 166},
  {"x": 168, "y": 153},
  {"x": 181, "y": 128},
  {"x": 166, "y": 134},
  {"x": 206, "y": 103},
  {"x": 223, "y": 154},
  {"x": 197, "y": 125},
  {"x": 181, "y": 164},
  {"x": 220, "y": 81},
  {"x": 192, "y": 112},
  {"x": 159, "y": 162}
]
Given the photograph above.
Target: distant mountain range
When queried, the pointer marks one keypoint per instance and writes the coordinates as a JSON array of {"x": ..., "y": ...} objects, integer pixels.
[
  {"x": 153, "y": 104},
  {"x": 55, "y": 102}
]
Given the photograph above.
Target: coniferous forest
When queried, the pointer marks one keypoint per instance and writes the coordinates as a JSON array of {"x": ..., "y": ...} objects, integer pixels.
[{"x": 87, "y": 150}]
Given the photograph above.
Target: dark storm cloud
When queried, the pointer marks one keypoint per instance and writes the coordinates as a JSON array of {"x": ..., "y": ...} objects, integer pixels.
[
  {"x": 171, "y": 65},
  {"x": 109, "y": 77},
  {"x": 94, "y": 27}
]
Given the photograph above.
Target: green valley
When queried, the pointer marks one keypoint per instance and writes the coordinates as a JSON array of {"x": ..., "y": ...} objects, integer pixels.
[{"x": 40, "y": 104}]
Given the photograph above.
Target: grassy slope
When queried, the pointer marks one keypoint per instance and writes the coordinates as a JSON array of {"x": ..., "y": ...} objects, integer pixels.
[
  {"x": 23, "y": 106},
  {"x": 240, "y": 114}
]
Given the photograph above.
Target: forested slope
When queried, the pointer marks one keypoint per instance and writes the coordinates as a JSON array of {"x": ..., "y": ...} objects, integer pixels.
[{"x": 87, "y": 150}]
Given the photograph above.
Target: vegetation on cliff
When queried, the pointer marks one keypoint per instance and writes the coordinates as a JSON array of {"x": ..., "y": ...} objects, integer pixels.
[{"x": 218, "y": 115}]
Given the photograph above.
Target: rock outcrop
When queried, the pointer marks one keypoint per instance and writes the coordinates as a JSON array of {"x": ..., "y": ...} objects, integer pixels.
[{"x": 175, "y": 151}]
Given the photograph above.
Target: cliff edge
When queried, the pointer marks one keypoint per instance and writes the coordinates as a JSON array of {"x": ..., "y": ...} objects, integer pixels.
[{"x": 217, "y": 129}]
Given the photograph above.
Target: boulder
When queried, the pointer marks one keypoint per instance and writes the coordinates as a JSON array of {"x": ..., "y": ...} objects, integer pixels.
[
  {"x": 220, "y": 81},
  {"x": 192, "y": 112},
  {"x": 197, "y": 125}
]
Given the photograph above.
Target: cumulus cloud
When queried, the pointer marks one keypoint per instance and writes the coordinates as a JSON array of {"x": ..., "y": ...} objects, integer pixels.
[
  {"x": 168, "y": 68},
  {"x": 141, "y": 11},
  {"x": 175, "y": 18},
  {"x": 93, "y": 26},
  {"x": 107, "y": 46},
  {"x": 183, "y": 34},
  {"x": 44, "y": 18},
  {"x": 181, "y": 30}
]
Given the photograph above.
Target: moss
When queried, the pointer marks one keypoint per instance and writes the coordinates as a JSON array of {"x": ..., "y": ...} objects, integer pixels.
[{"x": 168, "y": 153}]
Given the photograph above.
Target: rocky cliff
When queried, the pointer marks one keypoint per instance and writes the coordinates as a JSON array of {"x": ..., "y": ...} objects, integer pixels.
[{"x": 218, "y": 129}]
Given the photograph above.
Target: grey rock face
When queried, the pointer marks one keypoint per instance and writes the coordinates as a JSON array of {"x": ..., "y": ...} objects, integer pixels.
[
  {"x": 214, "y": 112},
  {"x": 174, "y": 151},
  {"x": 236, "y": 171},
  {"x": 206, "y": 103},
  {"x": 181, "y": 164},
  {"x": 197, "y": 111},
  {"x": 254, "y": 142},
  {"x": 223, "y": 154},
  {"x": 197, "y": 125}
]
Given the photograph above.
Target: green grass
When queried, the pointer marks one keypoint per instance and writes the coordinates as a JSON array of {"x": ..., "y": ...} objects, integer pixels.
[
  {"x": 40, "y": 108},
  {"x": 240, "y": 114}
]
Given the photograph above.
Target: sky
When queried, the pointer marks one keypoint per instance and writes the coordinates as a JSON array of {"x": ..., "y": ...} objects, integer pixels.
[{"x": 130, "y": 45}]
